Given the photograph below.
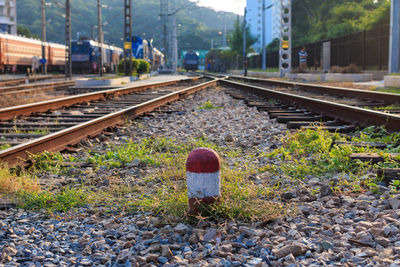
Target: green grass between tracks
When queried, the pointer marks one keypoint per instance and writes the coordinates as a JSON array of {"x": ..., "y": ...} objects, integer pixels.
[{"x": 161, "y": 188}]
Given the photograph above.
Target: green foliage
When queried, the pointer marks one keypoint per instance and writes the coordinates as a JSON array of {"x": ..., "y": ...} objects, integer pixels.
[
  {"x": 144, "y": 67},
  {"x": 21, "y": 30},
  {"x": 4, "y": 146},
  {"x": 236, "y": 39},
  {"x": 61, "y": 201},
  {"x": 241, "y": 198},
  {"x": 314, "y": 152},
  {"x": 273, "y": 45},
  {"x": 149, "y": 151},
  {"x": 199, "y": 24},
  {"x": 47, "y": 161},
  {"x": 315, "y": 20},
  {"x": 208, "y": 105},
  {"x": 135, "y": 66}
]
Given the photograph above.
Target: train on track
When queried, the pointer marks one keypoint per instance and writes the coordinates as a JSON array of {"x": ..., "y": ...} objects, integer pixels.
[
  {"x": 86, "y": 53},
  {"x": 144, "y": 49},
  {"x": 191, "y": 61},
  {"x": 19, "y": 53}
]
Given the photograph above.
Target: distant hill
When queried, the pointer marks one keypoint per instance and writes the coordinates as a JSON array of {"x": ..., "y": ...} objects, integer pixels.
[{"x": 198, "y": 24}]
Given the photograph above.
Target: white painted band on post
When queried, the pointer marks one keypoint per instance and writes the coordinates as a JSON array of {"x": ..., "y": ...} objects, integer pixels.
[{"x": 202, "y": 185}]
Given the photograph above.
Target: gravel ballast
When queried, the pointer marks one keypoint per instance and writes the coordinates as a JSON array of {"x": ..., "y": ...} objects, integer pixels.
[{"x": 324, "y": 229}]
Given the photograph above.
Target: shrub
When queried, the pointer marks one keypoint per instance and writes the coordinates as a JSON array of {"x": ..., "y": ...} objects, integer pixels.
[
  {"x": 352, "y": 68},
  {"x": 135, "y": 65},
  {"x": 144, "y": 67},
  {"x": 336, "y": 69}
]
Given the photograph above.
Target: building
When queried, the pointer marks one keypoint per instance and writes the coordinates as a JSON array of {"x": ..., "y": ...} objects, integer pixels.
[
  {"x": 254, "y": 20},
  {"x": 8, "y": 16}
]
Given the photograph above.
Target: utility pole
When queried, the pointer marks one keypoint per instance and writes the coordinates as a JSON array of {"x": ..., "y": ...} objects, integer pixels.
[
  {"x": 164, "y": 10},
  {"x": 100, "y": 37},
  {"x": 44, "y": 65},
  {"x": 244, "y": 43},
  {"x": 128, "y": 37},
  {"x": 394, "y": 46},
  {"x": 264, "y": 52},
  {"x": 68, "y": 62},
  {"x": 174, "y": 41},
  {"x": 264, "y": 64}
]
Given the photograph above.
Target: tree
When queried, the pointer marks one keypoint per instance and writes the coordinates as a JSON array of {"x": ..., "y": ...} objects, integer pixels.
[
  {"x": 21, "y": 30},
  {"x": 236, "y": 39},
  {"x": 315, "y": 20},
  {"x": 273, "y": 45}
]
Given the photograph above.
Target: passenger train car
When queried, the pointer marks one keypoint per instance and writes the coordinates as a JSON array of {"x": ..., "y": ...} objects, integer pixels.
[
  {"x": 20, "y": 53},
  {"x": 86, "y": 53}
]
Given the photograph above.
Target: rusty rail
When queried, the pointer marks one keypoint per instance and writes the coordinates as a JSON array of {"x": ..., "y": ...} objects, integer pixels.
[
  {"x": 43, "y": 106},
  {"x": 71, "y": 136},
  {"x": 356, "y": 115},
  {"x": 388, "y": 98}
]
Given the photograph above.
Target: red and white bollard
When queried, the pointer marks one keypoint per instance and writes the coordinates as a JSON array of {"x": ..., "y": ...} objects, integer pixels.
[{"x": 202, "y": 178}]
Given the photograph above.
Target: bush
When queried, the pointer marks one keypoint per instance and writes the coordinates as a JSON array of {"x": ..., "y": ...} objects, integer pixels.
[
  {"x": 135, "y": 65},
  {"x": 352, "y": 68},
  {"x": 336, "y": 69},
  {"x": 144, "y": 67}
]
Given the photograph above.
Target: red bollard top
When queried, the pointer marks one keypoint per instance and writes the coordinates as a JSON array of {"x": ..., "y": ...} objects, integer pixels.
[{"x": 203, "y": 160}]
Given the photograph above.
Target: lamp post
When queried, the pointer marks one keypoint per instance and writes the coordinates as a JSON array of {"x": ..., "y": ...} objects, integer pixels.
[
  {"x": 264, "y": 53},
  {"x": 394, "y": 48},
  {"x": 43, "y": 60},
  {"x": 244, "y": 43}
]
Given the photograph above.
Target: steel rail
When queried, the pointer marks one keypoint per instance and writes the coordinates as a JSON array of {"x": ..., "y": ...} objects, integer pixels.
[
  {"x": 388, "y": 98},
  {"x": 356, "y": 115},
  {"x": 43, "y": 106},
  {"x": 16, "y": 81},
  {"x": 60, "y": 140},
  {"x": 25, "y": 87}
]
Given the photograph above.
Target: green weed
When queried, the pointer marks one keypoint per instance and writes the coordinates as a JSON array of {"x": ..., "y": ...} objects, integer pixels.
[
  {"x": 208, "y": 105},
  {"x": 62, "y": 201}
]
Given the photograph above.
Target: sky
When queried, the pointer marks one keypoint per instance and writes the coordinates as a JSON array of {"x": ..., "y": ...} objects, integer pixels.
[{"x": 236, "y": 6}]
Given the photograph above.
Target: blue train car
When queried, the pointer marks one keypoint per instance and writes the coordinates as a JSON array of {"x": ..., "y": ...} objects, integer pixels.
[
  {"x": 191, "y": 61},
  {"x": 86, "y": 53},
  {"x": 141, "y": 48}
]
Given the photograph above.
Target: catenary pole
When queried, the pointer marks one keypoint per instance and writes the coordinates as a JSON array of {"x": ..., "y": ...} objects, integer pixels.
[
  {"x": 264, "y": 64},
  {"x": 244, "y": 43},
  {"x": 68, "y": 62},
  {"x": 394, "y": 46},
  {"x": 44, "y": 65},
  {"x": 128, "y": 37},
  {"x": 100, "y": 37}
]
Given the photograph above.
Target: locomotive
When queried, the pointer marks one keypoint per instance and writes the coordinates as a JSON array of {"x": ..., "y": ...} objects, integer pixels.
[
  {"x": 86, "y": 53},
  {"x": 143, "y": 49},
  {"x": 191, "y": 61},
  {"x": 17, "y": 52}
]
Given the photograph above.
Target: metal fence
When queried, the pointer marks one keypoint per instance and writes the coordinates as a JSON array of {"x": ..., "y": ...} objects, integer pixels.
[{"x": 368, "y": 49}]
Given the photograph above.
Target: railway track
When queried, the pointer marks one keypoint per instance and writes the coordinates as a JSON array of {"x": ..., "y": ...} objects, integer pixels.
[
  {"x": 23, "y": 94},
  {"x": 304, "y": 105},
  {"x": 12, "y": 82},
  {"x": 56, "y": 124},
  {"x": 331, "y": 108}
]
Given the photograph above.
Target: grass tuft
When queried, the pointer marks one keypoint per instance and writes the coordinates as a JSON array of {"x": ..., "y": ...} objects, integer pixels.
[
  {"x": 11, "y": 183},
  {"x": 61, "y": 201},
  {"x": 208, "y": 105}
]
